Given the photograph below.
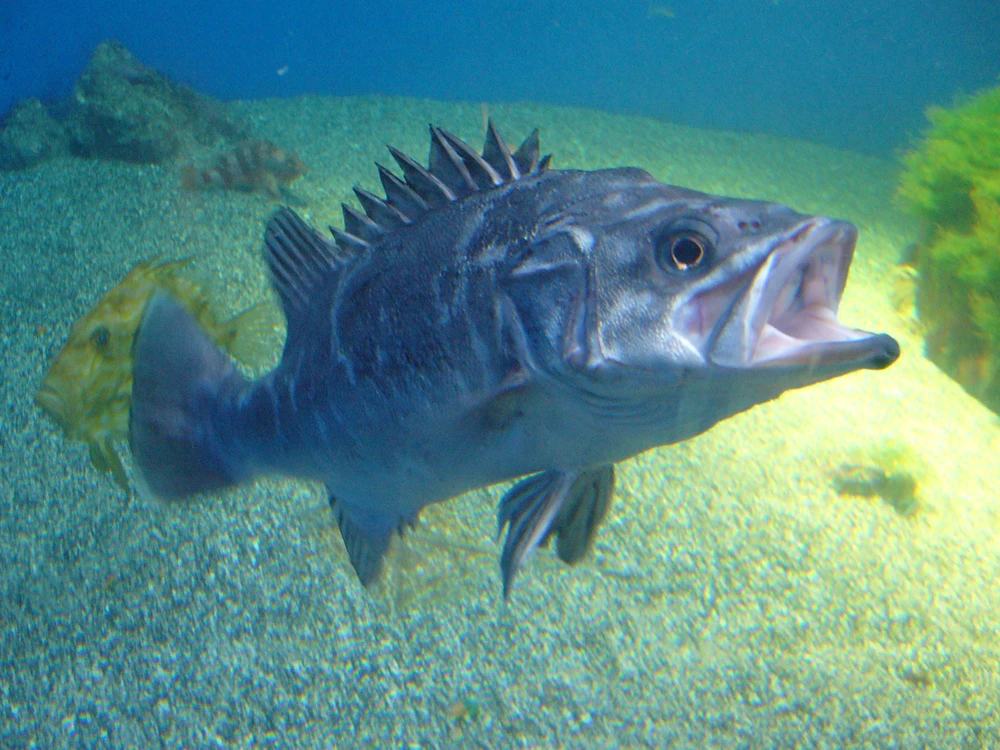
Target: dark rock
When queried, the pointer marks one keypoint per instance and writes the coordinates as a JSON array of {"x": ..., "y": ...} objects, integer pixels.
[
  {"x": 29, "y": 135},
  {"x": 122, "y": 109}
]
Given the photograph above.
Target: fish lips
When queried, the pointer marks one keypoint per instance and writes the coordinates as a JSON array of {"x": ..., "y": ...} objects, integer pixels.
[
  {"x": 782, "y": 312},
  {"x": 51, "y": 401}
]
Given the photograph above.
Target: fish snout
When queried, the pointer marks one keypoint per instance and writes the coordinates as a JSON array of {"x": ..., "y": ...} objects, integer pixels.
[{"x": 51, "y": 401}]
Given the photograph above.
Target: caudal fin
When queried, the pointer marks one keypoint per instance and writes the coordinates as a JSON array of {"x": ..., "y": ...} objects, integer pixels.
[{"x": 183, "y": 398}]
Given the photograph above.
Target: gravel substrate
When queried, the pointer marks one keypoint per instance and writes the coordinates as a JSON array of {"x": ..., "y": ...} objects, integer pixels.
[{"x": 734, "y": 599}]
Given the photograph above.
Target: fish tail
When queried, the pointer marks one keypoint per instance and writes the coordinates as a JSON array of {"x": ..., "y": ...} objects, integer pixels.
[
  {"x": 250, "y": 336},
  {"x": 185, "y": 392}
]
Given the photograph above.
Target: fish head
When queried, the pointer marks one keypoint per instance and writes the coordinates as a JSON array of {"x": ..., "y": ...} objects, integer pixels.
[
  {"x": 286, "y": 167},
  {"x": 87, "y": 388},
  {"x": 728, "y": 301}
]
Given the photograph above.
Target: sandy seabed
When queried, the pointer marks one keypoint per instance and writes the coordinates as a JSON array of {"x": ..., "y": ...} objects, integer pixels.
[{"x": 734, "y": 599}]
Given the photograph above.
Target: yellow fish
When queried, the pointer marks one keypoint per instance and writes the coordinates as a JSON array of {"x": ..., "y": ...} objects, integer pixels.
[{"x": 88, "y": 387}]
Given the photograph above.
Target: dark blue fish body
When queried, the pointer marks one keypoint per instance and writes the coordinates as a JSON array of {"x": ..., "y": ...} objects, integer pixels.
[{"x": 490, "y": 319}]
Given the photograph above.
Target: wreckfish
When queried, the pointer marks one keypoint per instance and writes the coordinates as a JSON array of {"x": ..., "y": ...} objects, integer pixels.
[
  {"x": 253, "y": 166},
  {"x": 492, "y": 318},
  {"x": 87, "y": 389}
]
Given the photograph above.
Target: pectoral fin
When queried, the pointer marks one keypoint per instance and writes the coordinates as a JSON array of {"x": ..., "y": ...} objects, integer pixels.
[
  {"x": 504, "y": 407},
  {"x": 105, "y": 459},
  {"x": 570, "y": 504}
]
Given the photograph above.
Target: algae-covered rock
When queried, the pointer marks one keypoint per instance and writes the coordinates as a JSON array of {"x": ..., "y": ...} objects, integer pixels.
[
  {"x": 122, "y": 109},
  {"x": 952, "y": 182},
  {"x": 30, "y": 134}
]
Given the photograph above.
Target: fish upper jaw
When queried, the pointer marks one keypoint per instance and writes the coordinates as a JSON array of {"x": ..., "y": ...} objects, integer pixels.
[{"x": 781, "y": 309}]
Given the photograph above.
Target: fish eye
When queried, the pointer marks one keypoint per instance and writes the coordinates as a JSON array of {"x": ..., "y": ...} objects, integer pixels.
[
  {"x": 101, "y": 337},
  {"x": 687, "y": 251},
  {"x": 683, "y": 250}
]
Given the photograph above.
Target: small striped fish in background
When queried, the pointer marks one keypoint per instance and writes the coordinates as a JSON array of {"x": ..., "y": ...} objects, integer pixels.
[{"x": 252, "y": 167}]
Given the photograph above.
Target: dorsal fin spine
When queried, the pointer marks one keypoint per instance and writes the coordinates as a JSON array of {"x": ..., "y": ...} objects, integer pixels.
[
  {"x": 526, "y": 156},
  {"x": 401, "y": 196},
  {"x": 448, "y": 166},
  {"x": 349, "y": 242},
  {"x": 481, "y": 172},
  {"x": 358, "y": 224},
  {"x": 454, "y": 171},
  {"x": 496, "y": 153},
  {"x": 429, "y": 187},
  {"x": 386, "y": 216}
]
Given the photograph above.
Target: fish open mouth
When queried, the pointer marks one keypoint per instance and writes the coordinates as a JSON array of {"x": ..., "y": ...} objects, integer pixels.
[{"x": 783, "y": 312}]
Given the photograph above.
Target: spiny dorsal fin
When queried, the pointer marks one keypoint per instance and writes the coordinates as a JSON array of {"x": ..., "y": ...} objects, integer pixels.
[
  {"x": 496, "y": 153},
  {"x": 447, "y": 165},
  {"x": 429, "y": 187},
  {"x": 482, "y": 173},
  {"x": 400, "y": 195},
  {"x": 358, "y": 224},
  {"x": 382, "y": 213},
  {"x": 526, "y": 156},
  {"x": 454, "y": 171}
]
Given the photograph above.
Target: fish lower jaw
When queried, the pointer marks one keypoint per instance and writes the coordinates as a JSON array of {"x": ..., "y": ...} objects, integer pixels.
[{"x": 808, "y": 336}]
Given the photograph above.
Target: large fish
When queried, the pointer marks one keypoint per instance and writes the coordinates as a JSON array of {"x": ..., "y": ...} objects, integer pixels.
[{"x": 492, "y": 318}]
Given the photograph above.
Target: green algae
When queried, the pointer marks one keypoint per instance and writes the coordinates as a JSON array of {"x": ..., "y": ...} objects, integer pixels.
[{"x": 952, "y": 183}]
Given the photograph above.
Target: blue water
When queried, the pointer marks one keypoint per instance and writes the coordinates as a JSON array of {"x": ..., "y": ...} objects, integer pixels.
[{"x": 853, "y": 74}]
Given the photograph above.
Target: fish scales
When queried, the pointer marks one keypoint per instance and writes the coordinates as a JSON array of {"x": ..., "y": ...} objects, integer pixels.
[{"x": 493, "y": 318}]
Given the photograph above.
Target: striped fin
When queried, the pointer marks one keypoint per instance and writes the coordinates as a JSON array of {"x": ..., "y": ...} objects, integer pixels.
[
  {"x": 304, "y": 268},
  {"x": 570, "y": 504}
]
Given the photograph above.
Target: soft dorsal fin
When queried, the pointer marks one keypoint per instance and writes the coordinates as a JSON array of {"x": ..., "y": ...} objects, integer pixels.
[
  {"x": 454, "y": 171},
  {"x": 304, "y": 267}
]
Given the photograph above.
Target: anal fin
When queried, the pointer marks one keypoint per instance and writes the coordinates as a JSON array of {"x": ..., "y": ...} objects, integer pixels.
[
  {"x": 571, "y": 504},
  {"x": 366, "y": 538}
]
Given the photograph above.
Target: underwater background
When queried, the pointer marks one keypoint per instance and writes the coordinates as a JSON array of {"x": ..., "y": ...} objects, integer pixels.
[
  {"x": 747, "y": 589},
  {"x": 854, "y": 74}
]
